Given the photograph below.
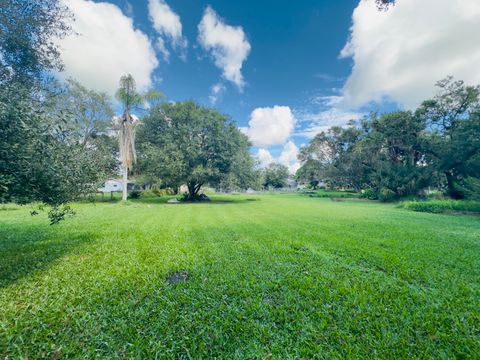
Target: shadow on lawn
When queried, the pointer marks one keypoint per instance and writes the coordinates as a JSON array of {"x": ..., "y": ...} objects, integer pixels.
[{"x": 25, "y": 249}]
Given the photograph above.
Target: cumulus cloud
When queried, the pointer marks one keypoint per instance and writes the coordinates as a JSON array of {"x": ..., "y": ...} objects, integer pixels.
[
  {"x": 105, "y": 47},
  {"x": 168, "y": 26},
  {"x": 401, "y": 53},
  {"x": 227, "y": 44},
  {"x": 216, "y": 93},
  {"x": 270, "y": 125},
  {"x": 288, "y": 157},
  {"x": 264, "y": 157}
]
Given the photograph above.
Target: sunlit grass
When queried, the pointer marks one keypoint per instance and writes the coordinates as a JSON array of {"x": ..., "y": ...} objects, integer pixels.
[{"x": 242, "y": 277}]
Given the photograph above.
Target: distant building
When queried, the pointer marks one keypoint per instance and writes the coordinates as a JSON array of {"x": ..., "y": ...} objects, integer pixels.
[{"x": 115, "y": 185}]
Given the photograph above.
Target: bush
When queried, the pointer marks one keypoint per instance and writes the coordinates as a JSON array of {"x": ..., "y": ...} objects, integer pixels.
[
  {"x": 149, "y": 194},
  {"x": 163, "y": 192},
  {"x": 443, "y": 206},
  {"x": 387, "y": 195},
  {"x": 332, "y": 194},
  {"x": 134, "y": 194},
  {"x": 369, "y": 194}
]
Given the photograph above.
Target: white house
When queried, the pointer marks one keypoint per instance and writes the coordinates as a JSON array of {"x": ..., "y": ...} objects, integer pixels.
[{"x": 114, "y": 186}]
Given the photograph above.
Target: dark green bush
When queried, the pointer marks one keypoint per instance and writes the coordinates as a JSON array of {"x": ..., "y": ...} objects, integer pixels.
[
  {"x": 332, "y": 194},
  {"x": 369, "y": 194},
  {"x": 443, "y": 206},
  {"x": 134, "y": 194}
]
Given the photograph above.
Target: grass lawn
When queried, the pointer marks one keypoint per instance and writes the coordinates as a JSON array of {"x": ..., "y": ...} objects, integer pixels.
[{"x": 283, "y": 276}]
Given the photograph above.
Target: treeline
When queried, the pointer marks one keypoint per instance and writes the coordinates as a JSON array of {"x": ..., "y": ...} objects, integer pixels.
[{"x": 399, "y": 154}]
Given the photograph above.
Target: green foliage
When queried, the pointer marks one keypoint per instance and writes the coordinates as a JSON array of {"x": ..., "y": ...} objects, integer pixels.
[
  {"x": 158, "y": 192},
  {"x": 27, "y": 33},
  {"x": 134, "y": 194},
  {"x": 370, "y": 194},
  {"x": 442, "y": 206},
  {"x": 400, "y": 154},
  {"x": 58, "y": 213},
  {"x": 39, "y": 159},
  {"x": 275, "y": 176},
  {"x": 453, "y": 144},
  {"x": 285, "y": 275},
  {"x": 332, "y": 194},
  {"x": 187, "y": 143},
  {"x": 127, "y": 93}
]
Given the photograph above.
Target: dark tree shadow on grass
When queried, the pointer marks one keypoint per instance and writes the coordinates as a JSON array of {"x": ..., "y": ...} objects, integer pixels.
[
  {"x": 25, "y": 249},
  {"x": 213, "y": 201}
]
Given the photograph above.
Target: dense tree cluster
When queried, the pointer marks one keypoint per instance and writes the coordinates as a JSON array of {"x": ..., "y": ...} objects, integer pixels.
[{"x": 402, "y": 153}]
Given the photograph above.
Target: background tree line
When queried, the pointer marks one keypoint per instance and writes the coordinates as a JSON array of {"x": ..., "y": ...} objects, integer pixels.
[{"x": 402, "y": 153}]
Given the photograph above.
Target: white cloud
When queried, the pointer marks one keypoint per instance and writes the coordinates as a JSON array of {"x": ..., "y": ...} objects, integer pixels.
[
  {"x": 107, "y": 47},
  {"x": 168, "y": 25},
  {"x": 401, "y": 53},
  {"x": 270, "y": 125},
  {"x": 228, "y": 45},
  {"x": 216, "y": 93},
  {"x": 288, "y": 157},
  {"x": 264, "y": 157}
]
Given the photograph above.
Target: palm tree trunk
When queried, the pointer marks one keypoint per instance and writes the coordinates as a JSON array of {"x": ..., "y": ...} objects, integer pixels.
[{"x": 125, "y": 183}]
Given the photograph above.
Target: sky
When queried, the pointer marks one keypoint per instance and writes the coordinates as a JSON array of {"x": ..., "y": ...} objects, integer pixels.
[{"x": 283, "y": 70}]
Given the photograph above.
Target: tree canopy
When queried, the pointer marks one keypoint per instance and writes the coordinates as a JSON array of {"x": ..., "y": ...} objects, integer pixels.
[
  {"x": 275, "y": 176},
  {"x": 402, "y": 153},
  {"x": 186, "y": 143}
]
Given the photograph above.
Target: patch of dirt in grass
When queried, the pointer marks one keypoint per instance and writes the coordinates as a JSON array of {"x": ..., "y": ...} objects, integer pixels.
[{"x": 179, "y": 276}]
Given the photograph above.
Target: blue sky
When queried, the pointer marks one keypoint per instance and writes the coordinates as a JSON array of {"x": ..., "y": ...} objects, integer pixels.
[{"x": 283, "y": 70}]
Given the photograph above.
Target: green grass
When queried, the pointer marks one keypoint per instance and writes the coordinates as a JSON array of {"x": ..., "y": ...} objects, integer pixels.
[
  {"x": 269, "y": 276},
  {"x": 443, "y": 206}
]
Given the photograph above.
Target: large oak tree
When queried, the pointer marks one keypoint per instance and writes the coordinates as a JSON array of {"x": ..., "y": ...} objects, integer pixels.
[{"x": 187, "y": 143}]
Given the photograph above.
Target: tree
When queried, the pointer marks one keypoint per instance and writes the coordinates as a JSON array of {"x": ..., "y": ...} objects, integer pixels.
[
  {"x": 187, "y": 143},
  {"x": 275, "y": 176},
  {"x": 451, "y": 118},
  {"x": 384, "y": 154},
  {"x": 243, "y": 174},
  {"x": 393, "y": 153},
  {"x": 39, "y": 161},
  {"x": 332, "y": 156},
  {"x": 27, "y": 31},
  {"x": 90, "y": 112},
  {"x": 128, "y": 95},
  {"x": 384, "y": 4}
]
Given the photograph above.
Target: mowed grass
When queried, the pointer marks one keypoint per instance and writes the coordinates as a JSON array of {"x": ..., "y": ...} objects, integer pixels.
[{"x": 269, "y": 276}]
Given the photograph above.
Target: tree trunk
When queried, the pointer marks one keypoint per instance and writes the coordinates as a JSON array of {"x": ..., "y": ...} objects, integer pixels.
[
  {"x": 193, "y": 191},
  {"x": 125, "y": 183},
  {"x": 452, "y": 192}
]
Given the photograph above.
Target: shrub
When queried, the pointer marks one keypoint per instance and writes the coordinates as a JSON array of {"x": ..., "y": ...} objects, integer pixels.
[
  {"x": 387, "y": 195},
  {"x": 332, "y": 194},
  {"x": 443, "y": 206},
  {"x": 134, "y": 194},
  {"x": 369, "y": 194},
  {"x": 149, "y": 194},
  {"x": 163, "y": 192}
]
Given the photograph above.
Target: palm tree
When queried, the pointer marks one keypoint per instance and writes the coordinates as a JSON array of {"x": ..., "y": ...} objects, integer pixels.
[
  {"x": 129, "y": 97},
  {"x": 127, "y": 94}
]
